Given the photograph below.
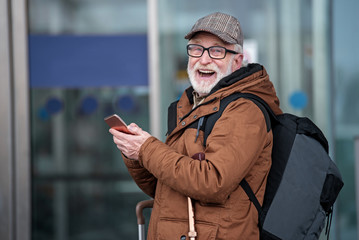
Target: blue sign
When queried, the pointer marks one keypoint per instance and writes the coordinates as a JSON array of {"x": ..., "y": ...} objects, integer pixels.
[
  {"x": 54, "y": 105},
  {"x": 298, "y": 100},
  {"x": 88, "y": 105},
  {"x": 71, "y": 61}
]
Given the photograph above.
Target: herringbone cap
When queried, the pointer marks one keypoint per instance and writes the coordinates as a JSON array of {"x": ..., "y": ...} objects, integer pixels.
[{"x": 224, "y": 26}]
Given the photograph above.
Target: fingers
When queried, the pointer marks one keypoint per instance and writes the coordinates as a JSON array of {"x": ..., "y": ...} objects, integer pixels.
[
  {"x": 115, "y": 132},
  {"x": 133, "y": 125},
  {"x": 130, "y": 144},
  {"x": 119, "y": 138},
  {"x": 134, "y": 129}
]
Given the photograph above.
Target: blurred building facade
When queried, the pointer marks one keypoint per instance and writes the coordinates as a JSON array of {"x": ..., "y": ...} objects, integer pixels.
[{"x": 66, "y": 64}]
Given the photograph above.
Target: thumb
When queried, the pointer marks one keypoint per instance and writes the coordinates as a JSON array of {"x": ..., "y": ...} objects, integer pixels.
[{"x": 134, "y": 128}]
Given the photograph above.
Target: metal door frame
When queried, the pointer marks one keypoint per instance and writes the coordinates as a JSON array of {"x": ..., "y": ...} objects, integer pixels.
[
  {"x": 15, "y": 177},
  {"x": 356, "y": 164}
]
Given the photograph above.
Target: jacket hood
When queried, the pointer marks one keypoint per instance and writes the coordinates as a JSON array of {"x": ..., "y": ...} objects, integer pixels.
[{"x": 251, "y": 79}]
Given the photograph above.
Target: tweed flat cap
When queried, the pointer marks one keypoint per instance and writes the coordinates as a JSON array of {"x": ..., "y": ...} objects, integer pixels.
[{"x": 224, "y": 26}]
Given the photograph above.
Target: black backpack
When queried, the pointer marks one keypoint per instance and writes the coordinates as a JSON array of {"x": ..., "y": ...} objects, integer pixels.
[{"x": 303, "y": 182}]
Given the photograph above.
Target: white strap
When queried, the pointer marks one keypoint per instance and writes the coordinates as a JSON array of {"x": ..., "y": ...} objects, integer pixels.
[{"x": 192, "y": 234}]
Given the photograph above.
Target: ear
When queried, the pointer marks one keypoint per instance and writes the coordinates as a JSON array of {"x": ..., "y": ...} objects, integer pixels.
[{"x": 237, "y": 62}]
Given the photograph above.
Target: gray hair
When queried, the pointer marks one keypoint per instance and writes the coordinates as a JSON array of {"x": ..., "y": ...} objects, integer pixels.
[{"x": 238, "y": 48}]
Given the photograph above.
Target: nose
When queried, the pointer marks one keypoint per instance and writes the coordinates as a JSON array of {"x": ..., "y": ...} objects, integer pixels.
[{"x": 205, "y": 58}]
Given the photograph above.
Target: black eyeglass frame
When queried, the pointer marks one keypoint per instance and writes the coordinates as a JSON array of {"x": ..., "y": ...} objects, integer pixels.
[{"x": 209, "y": 53}]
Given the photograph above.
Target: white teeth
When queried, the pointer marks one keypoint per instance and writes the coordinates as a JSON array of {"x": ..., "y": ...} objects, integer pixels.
[{"x": 206, "y": 71}]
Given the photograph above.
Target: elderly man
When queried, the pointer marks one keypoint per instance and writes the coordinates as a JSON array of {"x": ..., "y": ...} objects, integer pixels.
[{"x": 238, "y": 147}]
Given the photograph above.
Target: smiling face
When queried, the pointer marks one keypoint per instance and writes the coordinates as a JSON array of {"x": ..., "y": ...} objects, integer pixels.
[{"x": 204, "y": 72}]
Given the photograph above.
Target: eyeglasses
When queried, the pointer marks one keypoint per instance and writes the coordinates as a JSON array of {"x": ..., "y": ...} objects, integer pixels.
[{"x": 215, "y": 52}]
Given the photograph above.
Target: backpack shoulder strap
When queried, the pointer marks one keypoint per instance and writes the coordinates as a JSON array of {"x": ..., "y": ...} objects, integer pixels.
[
  {"x": 248, "y": 190},
  {"x": 172, "y": 117},
  {"x": 269, "y": 118},
  {"x": 263, "y": 106}
]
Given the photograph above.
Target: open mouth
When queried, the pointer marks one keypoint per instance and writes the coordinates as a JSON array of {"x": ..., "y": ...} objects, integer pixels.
[{"x": 206, "y": 73}]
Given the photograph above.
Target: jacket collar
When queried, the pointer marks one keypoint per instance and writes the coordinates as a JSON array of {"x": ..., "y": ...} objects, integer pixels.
[{"x": 236, "y": 76}]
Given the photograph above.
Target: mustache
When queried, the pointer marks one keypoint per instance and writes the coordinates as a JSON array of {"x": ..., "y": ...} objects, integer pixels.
[{"x": 211, "y": 67}]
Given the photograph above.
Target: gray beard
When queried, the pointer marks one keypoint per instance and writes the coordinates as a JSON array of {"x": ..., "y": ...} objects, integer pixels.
[{"x": 203, "y": 88}]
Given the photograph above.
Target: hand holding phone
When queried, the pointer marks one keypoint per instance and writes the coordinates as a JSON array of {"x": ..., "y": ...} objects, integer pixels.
[{"x": 115, "y": 122}]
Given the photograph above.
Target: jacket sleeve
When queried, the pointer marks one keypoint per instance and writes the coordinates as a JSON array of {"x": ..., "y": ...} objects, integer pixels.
[
  {"x": 143, "y": 178},
  {"x": 233, "y": 147}
]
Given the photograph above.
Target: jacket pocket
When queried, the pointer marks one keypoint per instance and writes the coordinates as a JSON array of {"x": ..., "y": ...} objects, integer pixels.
[{"x": 171, "y": 228}]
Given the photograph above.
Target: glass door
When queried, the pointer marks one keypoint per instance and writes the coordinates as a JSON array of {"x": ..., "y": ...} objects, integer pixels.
[{"x": 88, "y": 59}]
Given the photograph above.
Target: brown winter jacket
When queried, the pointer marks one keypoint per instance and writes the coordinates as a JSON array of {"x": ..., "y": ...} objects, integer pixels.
[{"x": 238, "y": 147}]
